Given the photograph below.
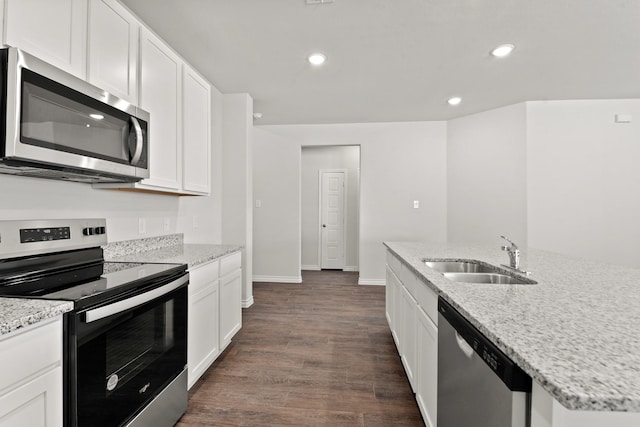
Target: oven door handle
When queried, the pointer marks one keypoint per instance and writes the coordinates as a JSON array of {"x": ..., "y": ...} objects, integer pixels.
[{"x": 129, "y": 303}]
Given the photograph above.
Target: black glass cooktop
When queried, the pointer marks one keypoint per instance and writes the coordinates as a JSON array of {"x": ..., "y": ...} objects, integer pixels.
[{"x": 90, "y": 284}]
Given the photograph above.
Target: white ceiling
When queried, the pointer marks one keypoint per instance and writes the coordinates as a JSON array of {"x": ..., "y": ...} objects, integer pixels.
[{"x": 400, "y": 60}]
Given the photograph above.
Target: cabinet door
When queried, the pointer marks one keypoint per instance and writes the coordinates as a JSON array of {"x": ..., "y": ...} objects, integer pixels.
[
  {"x": 113, "y": 49},
  {"x": 408, "y": 335},
  {"x": 230, "y": 307},
  {"x": 203, "y": 329},
  {"x": 427, "y": 368},
  {"x": 36, "y": 403},
  {"x": 160, "y": 95},
  {"x": 397, "y": 312},
  {"x": 389, "y": 299},
  {"x": 54, "y": 31},
  {"x": 196, "y": 125}
]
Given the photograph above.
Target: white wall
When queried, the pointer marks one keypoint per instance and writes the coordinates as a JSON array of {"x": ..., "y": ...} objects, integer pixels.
[
  {"x": 313, "y": 160},
  {"x": 237, "y": 183},
  {"x": 400, "y": 163},
  {"x": 584, "y": 179},
  {"x": 486, "y": 177},
  {"x": 276, "y": 224}
]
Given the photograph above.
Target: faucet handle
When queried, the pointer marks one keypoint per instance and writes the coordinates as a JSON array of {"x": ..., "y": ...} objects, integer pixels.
[{"x": 508, "y": 240}]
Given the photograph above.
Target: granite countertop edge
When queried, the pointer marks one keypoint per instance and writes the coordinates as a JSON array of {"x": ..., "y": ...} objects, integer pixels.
[
  {"x": 571, "y": 395},
  {"x": 192, "y": 254},
  {"x": 19, "y": 313}
]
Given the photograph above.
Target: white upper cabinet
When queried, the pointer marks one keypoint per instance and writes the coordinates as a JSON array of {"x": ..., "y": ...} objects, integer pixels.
[
  {"x": 160, "y": 95},
  {"x": 112, "y": 53},
  {"x": 196, "y": 125},
  {"x": 54, "y": 31}
]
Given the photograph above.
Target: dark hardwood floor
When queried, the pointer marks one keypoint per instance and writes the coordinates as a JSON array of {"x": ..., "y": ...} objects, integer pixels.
[{"x": 313, "y": 354}]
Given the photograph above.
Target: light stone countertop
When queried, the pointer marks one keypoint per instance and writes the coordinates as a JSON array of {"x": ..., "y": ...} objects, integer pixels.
[
  {"x": 190, "y": 254},
  {"x": 17, "y": 313},
  {"x": 576, "y": 332}
]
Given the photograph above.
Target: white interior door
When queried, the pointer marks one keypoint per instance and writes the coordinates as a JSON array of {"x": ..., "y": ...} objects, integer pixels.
[{"x": 332, "y": 220}]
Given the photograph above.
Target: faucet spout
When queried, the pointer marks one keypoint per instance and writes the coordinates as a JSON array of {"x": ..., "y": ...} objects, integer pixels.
[{"x": 514, "y": 253}]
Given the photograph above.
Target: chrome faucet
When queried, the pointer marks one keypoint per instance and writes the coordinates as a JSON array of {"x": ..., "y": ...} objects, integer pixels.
[{"x": 514, "y": 254}]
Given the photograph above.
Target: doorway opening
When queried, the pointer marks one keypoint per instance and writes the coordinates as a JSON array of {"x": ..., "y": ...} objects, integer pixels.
[{"x": 330, "y": 187}]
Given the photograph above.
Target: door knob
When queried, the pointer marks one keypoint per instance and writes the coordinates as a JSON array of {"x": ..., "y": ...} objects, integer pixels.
[{"x": 324, "y": 225}]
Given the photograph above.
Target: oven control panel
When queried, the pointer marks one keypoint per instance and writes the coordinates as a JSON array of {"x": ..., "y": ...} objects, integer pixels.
[
  {"x": 35, "y": 237},
  {"x": 28, "y": 235}
]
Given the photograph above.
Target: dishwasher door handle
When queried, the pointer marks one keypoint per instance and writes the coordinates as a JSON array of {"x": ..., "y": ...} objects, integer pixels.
[{"x": 464, "y": 346}]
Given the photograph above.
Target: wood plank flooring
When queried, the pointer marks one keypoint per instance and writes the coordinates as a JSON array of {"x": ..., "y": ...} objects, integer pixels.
[{"x": 318, "y": 353}]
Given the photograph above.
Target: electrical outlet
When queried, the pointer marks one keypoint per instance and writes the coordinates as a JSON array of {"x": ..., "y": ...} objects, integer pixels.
[
  {"x": 258, "y": 203},
  {"x": 167, "y": 224},
  {"x": 142, "y": 225},
  {"x": 416, "y": 204},
  {"x": 196, "y": 222}
]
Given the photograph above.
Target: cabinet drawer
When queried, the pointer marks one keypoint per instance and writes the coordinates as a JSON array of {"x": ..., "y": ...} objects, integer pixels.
[
  {"x": 427, "y": 299},
  {"x": 30, "y": 352},
  {"x": 408, "y": 279},
  {"x": 230, "y": 263},
  {"x": 203, "y": 274},
  {"x": 393, "y": 263}
]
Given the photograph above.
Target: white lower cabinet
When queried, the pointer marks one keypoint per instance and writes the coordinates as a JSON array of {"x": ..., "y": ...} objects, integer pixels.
[
  {"x": 215, "y": 311},
  {"x": 202, "y": 337},
  {"x": 427, "y": 368},
  {"x": 408, "y": 335},
  {"x": 230, "y": 298},
  {"x": 412, "y": 311},
  {"x": 31, "y": 382}
]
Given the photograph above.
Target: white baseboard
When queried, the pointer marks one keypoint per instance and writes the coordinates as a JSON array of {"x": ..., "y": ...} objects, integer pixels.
[
  {"x": 246, "y": 303},
  {"x": 311, "y": 267},
  {"x": 350, "y": 268},
  {"x": 278, "y": 279},
  {"x": 375, "y": 282}
]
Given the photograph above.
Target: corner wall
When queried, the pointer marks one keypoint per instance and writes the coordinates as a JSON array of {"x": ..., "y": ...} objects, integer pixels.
[
  {"x": 486, "y": 177},
  {"x": 583, "y": 183}
]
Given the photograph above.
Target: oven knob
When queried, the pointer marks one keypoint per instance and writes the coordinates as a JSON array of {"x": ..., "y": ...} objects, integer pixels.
[
  {"x": 87, "y": 231},
  {"x": 101, "y": 230}
]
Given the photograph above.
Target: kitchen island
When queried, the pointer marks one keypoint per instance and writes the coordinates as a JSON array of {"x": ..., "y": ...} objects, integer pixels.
[{"x": 574, "y": 332}]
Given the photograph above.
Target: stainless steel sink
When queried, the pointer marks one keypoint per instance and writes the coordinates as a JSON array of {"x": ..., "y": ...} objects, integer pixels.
[
  {"x": 461, "y": 266},
  {"x": 498, "y": 278},
  {"x": 473, "y": 271}
]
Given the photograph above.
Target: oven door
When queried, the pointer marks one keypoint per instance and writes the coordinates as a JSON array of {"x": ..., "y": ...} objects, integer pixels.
[{"x": 126, "y": 352}]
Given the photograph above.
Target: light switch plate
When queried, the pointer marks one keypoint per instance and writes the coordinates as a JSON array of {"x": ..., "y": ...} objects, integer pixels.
[{"x": 416, "y": 204}]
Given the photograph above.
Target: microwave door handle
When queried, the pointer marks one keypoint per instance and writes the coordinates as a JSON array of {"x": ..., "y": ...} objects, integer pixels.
[
  {"x": 129, "y": 303},
  {"x": 139, "y": 142}
]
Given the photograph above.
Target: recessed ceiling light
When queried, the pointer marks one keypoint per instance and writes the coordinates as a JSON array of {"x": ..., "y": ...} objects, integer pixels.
[
  {"x": 502, "y": 50},
  {"x": 317, "y": 58},
  {"x": 257, "y": 116},
  {"x": 96, "y": 116},
  {"x": 454, "y": 100}
]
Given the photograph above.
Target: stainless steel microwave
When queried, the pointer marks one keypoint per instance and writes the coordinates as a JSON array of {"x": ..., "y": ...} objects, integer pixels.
[{"x": 55, "y": 125}]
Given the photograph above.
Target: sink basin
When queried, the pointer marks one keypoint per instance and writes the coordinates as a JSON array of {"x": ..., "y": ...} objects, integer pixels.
[
  {"x": 463, "y": 266},
  {"x": 472, "y": 271},
  {"x": 498, "y": 278}
]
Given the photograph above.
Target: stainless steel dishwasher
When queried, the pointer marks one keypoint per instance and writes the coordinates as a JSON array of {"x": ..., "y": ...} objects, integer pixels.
[{"x": 478, "y": 385}]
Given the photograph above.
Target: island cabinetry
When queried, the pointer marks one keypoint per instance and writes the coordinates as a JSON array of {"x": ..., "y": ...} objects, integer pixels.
[
  {"x": 412, "y": 313},
  {"x": 54, "y": 31},
  {"x": 31, "y": 384},
  {"x": 230, "y": 297},
  {"x": 112, "y": 51},
  {"x": 203, "y": 340}
]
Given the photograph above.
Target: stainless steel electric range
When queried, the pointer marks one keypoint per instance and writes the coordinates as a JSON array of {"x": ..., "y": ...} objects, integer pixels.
[{"x": 125, "y": 349}]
